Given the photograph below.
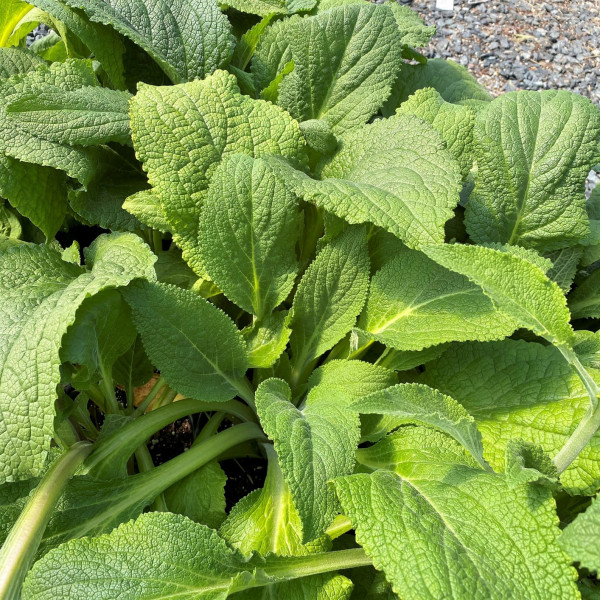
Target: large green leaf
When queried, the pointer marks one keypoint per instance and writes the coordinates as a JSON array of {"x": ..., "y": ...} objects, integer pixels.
[
  {"x": 441, "y": 528},
  {"x": 516, "y": 389},
  {"x": 345, "y": 61},
  {"x": 580, "y": 538},
  {"x": 40, "y": 295},
  {"x": 182, "y": 132},
  {"x": 248, "y": 231},
  {"x": 329, "y": 297},
  {"x": 14, "y": 61},
  {"x": 417, "y": 403},
  {"x": 11, "y": 12},
  {"x": 17, "y": 142},
  {"x": 518, "y": 287},
  {"x": 197, "y": 347},
  {"x": 85, "y": 116},
  {"x": 414, "y": 303},
  {"x": 534, "y": 151},
  {"x": 313, "y": 445},
  {"x": 270, "y": 7},
  {"x": 395, "y": 173},
  {"x": 188, "y": 39}
]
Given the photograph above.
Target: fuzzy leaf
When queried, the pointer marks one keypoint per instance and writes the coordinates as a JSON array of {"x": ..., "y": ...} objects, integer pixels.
[
  {"x": 14, "y": 61},
  {"x": 580, "y": 538},
  {"x": 40, "y": 297},
  {"x": 263, "y": 8},
  {"x": 196, "y": 347},
  {"x": 534, "y": 151}
]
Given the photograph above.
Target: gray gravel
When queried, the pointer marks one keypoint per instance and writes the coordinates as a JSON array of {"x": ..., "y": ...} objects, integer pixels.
[{"x": 521, "y": 44}]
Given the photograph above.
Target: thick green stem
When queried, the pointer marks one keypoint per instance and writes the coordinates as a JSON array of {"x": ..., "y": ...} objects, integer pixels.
[
  {"x": 24, "y": 538},
  {"x": 121, "y": 444},
  {"x": 158, "y": 387},
  {"x": 246, "y": 392},
  {"x": 145, "y": 464}
]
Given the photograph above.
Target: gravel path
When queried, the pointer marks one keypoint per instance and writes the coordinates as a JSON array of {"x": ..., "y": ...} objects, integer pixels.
[{"x": 521, "y": 44}]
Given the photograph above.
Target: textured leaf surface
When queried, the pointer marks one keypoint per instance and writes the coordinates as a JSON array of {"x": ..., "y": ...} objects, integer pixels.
[
  {"x": 417, "y": 403},
  {"x": 145, "y": 206},
  {"x": 330, "y": 296},
  {"x": 14, "y": 61},
  {"x": 188, "y": 39},
  {"x": 40, "y": 296},
  {"x": 528, "y": 463},
  {"x": 584, "y": 300},
  {"x": 82, "y": 117},
  {"x": 534, "y": 151},
  {"x": 313, "y": 445},
  {"x": 516, "y": 389},
  {"x": 197, "y": 347},
  {"x": 580, "y": 538},
  {"x": 394, "y": 173},
  {"x": 182, "y": 132},
  {"x": 267, "y": 339},
  {"x": 414, "y": 303},
  {"x": 125, "y": 560},
  {"x": 268, "y": 7},
  {"x": 454, "y": 123},
  {"x": 19, "y": 143},
  {"x": 345, "y": 61},
  {"x": 440, "y": 528},
  {"x": 248, "y": 231},
  {"x": 518, "y": 287},
  {"x": 38, "y": 193}
]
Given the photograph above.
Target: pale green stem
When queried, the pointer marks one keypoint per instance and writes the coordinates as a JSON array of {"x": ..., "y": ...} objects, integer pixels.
[
  {"x": 156, "y": 388},
  {"x": 145, "y": 463},
  {"x": 22, "y": 542},
  {"x": 340, "y": 525},
  {"x": 210, "y": 428},
  {"x": 590, "y": 423}
]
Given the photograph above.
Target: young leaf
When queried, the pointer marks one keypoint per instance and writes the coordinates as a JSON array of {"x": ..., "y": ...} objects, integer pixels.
[
  {"x": 579, "y": 538},
  {"x": 246, "y": 45},
  {"x": 528, "y": 463},
  {"x": 451, "y": 80},
  {"x": 267, "y": 339},
  {"x": 345, "y": 61},
  {"x": 453, "y": 122},
  {"x": 188, "y": 40},
  {"x": 443, "y": 529},
  {"x": 182, "y": 132},
  {"x": 146, "y": 207},
  {"x": 414, "y": 303},
  {"x": 519, "y": 288},
  {"x": 313, "y": 445},
  {"x": 417, "y": 403},
  {"x": 85, "y": 116},
  {"x": 329, "y": 297},
  {"x": 196, "y": 347},
  {"x": 247, "y": 232},
  {"x": 535, "y": 198},
  {"x": 394, "y": 173},
  {"x": 40, "y": 297},
  {"x": 516, "y": 389}
]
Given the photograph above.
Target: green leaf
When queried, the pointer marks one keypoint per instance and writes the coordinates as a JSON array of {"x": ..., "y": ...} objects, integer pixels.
[
  {"x": 133, "y": 368},
  {"x": 102, "y": 332},
  {"x": 263, "y": 8},
  {"x": 200, "y": 496},
  {"x": 182, "y": 132},
  {"x": 565, "y": 263},
  {"x": 584, "y": 300},
  {"x": 38, "y": 193},
  {"x": 453, "y": 122},
  {"x": 40, "y": 297},
  {"x": 441, "y": 528},
  {"x": 102, "y": 41},
  {"x": 373, "y": 180},
  {"x": 519, "y": 288},
  {"x": 329, "y": 297},
  {"x": 266, "y": 521},
  {"x": 266, "y": 340},
  {"x": 417, "y": 403},
  {"x": 19, "y": 143},
  {"x": 451, "y": 80},
  {"x": 536, "y": 197},
  {"x": 11, "y": 12},
  {"x": 248, "y": 231},
  {"x": 313, "y": 445},
  {"x": 516, "y": 389},
  {"x": 246, "y": 45},
  {"x": 10, "y": 226},
  {"x": 84, "y": 116},
  {"x": 346, "y": 60},
  {"x": 146, "y": 207},
  {"x": 187, "y": 40},
  {"x": 196, "y": 347},
  {"x": 528, "y": 463},
  {"x": 14, "y": 61},
  {"x": 579, "y": 539},
  {"x": 414, "y": 303}
]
